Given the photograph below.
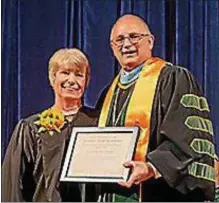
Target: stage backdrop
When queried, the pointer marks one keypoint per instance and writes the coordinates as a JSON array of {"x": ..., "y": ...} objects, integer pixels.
[{"x": 186, "y": 33}]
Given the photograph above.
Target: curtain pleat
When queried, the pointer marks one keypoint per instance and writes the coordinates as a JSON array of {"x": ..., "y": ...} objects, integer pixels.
[
  {"x": 186, "y": 33},
  {"x": 211, "y": 62},
  {"x": 9, "y": 71}
]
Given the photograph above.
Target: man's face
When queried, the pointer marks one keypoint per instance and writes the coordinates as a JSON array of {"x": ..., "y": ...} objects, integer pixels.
[
  {"x": 70, "y": 82},
  {"x": 131, "y": 42}
]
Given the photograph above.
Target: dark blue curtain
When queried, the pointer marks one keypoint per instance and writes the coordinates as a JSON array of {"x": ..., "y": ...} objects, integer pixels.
[{"x": 186, "y": 33}]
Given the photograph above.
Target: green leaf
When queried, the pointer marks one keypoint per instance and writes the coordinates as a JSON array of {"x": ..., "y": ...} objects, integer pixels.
[
  {"x": 58, "y": 130},
  {"x": 37, "y": 122},
  {"x": 51, "y": 133},
  {"x": 41, "y": 129}
]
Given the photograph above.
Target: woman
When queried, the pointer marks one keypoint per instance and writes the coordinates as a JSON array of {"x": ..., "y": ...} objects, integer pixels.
[{"x": 36, "y": 151}]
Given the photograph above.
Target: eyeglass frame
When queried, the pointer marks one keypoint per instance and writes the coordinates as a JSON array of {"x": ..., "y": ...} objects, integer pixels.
[{"x": 140, "y": 36}]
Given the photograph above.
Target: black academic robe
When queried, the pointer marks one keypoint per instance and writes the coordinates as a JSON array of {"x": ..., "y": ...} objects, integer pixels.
[
  {"x": 33, "y": 162},
  {"x": 170, "y": 143}
]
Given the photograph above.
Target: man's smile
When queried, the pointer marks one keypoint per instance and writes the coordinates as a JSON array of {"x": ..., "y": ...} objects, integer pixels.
[{"x": 129, "y": 53}]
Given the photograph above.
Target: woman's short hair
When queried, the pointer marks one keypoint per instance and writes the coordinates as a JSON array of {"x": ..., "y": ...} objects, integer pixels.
[{"x": 70, "y": 56}]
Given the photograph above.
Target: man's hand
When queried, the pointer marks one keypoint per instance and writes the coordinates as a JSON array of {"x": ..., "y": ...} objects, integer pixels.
[
  {"x": 141, "y": 171},
  {"x": 216, "y": 167}
]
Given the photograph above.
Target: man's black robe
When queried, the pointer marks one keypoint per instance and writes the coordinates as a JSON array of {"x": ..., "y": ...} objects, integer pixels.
[{"x": 171, "y": 140}]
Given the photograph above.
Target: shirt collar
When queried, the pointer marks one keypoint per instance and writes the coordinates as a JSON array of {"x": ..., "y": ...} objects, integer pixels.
[{"x": 127, "y": 77}]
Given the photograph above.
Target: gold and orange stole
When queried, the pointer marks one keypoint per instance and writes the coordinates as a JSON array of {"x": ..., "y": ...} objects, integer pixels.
[{"x": 140, "y": 105}]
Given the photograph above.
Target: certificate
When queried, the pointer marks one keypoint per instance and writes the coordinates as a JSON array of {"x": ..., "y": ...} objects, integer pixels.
[{"x": 97, "y": 154}]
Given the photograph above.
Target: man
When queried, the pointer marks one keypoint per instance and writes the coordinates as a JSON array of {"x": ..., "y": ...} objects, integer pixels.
[
  {"x": 174, "y": 156},
  {"x": 35, "y": 154}
]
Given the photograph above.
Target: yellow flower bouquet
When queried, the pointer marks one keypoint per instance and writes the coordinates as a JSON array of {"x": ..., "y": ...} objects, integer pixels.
[{"x": 50, "y": 120}]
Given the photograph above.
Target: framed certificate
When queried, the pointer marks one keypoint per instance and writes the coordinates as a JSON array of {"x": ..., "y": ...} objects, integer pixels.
[{"x": 97, "y": 154}]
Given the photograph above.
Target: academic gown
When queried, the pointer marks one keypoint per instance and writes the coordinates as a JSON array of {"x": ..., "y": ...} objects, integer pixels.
[
  {"x": 33, "y": 162},
  {"x": 180, "y": 145}
]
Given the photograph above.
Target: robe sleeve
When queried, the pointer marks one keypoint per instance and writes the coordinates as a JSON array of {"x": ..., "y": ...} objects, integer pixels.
[
  {"x": 19, "y": 153},
  {"x": 185, "y": 152}
]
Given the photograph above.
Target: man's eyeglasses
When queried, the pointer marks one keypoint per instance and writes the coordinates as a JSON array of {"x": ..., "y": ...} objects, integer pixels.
[{"x": 134, "y": 38}]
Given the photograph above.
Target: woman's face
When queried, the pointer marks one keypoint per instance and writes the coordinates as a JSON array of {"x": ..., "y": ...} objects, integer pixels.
[{"x": 70, "y": 81}]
